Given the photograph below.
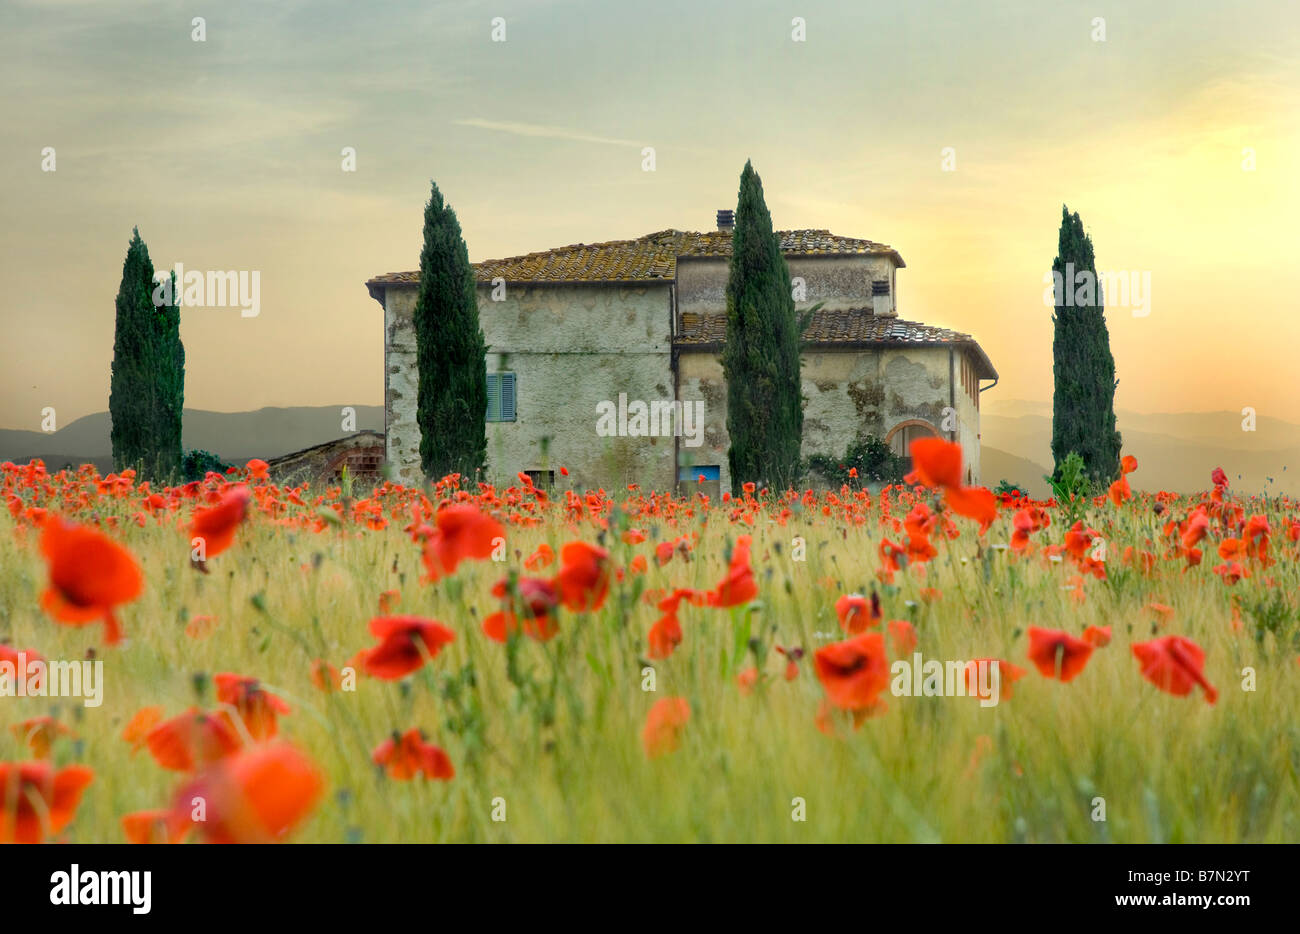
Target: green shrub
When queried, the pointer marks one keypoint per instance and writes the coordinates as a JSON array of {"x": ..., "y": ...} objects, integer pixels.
[
  {"x": 873, "y": 459},
  {"x": 198, "y": 463}
]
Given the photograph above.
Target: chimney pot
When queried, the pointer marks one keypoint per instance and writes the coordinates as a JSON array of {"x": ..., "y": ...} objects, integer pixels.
[{"x": 726, "y": 219}]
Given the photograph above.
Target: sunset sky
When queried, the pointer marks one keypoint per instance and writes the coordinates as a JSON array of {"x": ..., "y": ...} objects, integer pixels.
[{"x": 227, "y": 155}]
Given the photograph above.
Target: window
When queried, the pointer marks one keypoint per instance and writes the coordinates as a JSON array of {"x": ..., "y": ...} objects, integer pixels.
[
  {"x": 901, "y": 438},
  {"x": 501, "y": 397},
  {"x": 689, "y": 482},
  {"x": 542, "y": 479}
]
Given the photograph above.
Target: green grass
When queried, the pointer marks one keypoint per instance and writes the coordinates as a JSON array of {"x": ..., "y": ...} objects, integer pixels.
[{"x": 560, "y": 742}]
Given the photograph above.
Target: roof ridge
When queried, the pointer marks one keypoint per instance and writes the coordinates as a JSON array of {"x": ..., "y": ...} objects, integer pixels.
[{"x": 650, "y": 257}]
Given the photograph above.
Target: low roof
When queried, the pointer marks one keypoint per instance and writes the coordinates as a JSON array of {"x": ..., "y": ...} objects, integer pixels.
[
  {"x": 652, "y": 258},
  {"x": 846, "y": 329},
  {"x": 354, "y": 439}
]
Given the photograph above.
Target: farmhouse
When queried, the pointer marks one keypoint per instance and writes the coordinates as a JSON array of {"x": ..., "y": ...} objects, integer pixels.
[{"x": 575, "y": 332}]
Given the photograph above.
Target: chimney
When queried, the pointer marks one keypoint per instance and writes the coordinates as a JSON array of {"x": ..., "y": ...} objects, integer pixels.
[
  {"x": 880, "y": 299},
  {"x": 726, "y": 219}
]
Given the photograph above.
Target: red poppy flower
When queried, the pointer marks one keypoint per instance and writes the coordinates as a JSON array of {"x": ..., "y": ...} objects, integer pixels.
[
  {"x": 154, "y": 827},
  {"x": 1097, "y": 636},
  {"x": 1198, "y": 525},
  {"x": 973, "y": 502},
  {"x": 140, "y": 725},
  {"x": 793, "y": 656},
  {"x": 855, "y": 613},
  {"x": 389, "y": 599},
  {"x": 1174, "y": 664},
  {"x": 36, "y": 801},
  {"x": 739, "y": 586},
  {"x": 9, "y": 654},
  {"x": 325, "y": 677},
  {"x": 543, "y": 557},
  {"x": 257, "y": 707},
  {"x": 936, "y": 463},
  {"x": 200, "y": 627},
  {"x": 889, "y": 554},
  {"x": 665, "y": 636},
  {"x": 854, "y": 671},
  {"x": 746, "y": 680},
  {"x": 462, "y": 533},
  {"x": 256, "y": 796},
  {"x": 583, "y": 580},
  {"x": 193, "y": 739},
  {"x": 405, "y": 643},
  {"x": 89, "y": 575},
  {"x": 663, "y": 726},
  {"x": 902, "y": 636},
  {"x": 406, "y": 756},
  {"x": 536, "y": 601},
  {"x": 216, "y": 525},
  {"x": 39, "y": 734},
  {"x": 1056, "y": 653}
]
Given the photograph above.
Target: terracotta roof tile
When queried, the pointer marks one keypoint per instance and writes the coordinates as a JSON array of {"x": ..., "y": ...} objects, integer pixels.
[
  {"x": 845, "y": 328},
  {"x": 646, "y": 259}
]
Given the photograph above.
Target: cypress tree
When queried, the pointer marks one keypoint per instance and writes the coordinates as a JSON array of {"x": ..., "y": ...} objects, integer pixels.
[
  {"x": 170, "y": 372},
  {"x": 761, "y": 357},
  {"x": 450, "y": 351},
  {"x": 1083, "y": 404},
  {"x": 147, "y": 389}
]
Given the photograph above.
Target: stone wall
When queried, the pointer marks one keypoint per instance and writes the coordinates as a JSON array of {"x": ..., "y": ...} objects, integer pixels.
[
  {"x": 322, "y": 465},
  {"x": 846, "y": 391},
  {"x": 841, "y": 282},
  {"x": 570, "y": 347}
]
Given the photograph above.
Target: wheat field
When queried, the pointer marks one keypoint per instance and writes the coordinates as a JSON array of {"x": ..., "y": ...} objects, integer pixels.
[{"x": 546, "y": 737}]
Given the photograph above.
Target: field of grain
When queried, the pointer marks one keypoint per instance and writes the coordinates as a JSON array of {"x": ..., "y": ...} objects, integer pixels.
[{"x": 550, "y": 733}]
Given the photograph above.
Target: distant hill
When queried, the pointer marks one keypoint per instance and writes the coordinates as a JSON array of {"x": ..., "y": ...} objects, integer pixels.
[
  {"x": 996, "y": 465},
  {"x": 1175, "y": 451},
  {"x": 233, "y": 436}
]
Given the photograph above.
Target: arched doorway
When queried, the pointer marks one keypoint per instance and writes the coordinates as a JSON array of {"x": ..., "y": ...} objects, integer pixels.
[{"x": 902, "y": 435}]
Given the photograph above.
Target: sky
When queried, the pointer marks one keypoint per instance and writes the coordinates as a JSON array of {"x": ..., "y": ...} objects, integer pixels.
[{"x": 953, "y": 131}]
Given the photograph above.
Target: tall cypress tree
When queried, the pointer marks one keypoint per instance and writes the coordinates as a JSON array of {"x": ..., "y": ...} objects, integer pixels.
[
  {"x": 761, "y": 356},
  {"x": 1083, "y": 416},
  {"x": 450, "y": 351},
  {"x": 147, "y": 390},
  {"x": 169, "y": 406}
]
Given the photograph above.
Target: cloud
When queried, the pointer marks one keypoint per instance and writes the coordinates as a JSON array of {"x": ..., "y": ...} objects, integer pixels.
[{"x": 550, "y": 132}]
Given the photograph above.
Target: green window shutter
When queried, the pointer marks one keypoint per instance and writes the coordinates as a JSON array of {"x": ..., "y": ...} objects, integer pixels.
[
  {"x": 493, "y": 397},
  {"x": 507, "y": 390}
]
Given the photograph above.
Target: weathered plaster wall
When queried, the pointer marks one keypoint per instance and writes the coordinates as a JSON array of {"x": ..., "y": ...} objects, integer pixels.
[
  {"x": 573, "y": 347},
  {"x": 846, "y": 391},
  {"x": 968, "y": 421},
  {"x": 841, "y": 282},
  {"x": 570, "y": 347}
]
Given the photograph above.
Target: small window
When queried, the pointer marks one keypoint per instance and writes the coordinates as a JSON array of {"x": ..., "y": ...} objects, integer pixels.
[
  {"x": 704, "y": 479},
  {"x": 501, "y": 397},
  {"x": 542, "y": 479}
]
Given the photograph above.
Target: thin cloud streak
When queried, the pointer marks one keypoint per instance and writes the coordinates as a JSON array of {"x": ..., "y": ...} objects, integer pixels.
[{"x": 549, "y": 132}]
